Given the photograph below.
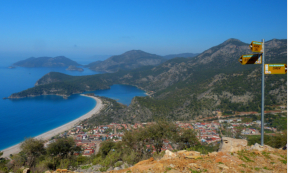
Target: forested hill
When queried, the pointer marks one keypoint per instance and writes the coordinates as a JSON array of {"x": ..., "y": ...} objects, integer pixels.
[
  {"x": 185, "y": 88},
  {"x": 59, "y": 61},
  {"x": 126, "y": 61}
]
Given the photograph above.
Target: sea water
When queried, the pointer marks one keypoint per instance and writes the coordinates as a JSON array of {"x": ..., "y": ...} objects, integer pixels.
[{"x": 29, "y": 117}]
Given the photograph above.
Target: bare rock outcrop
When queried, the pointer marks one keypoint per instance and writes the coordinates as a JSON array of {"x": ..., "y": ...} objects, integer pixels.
[
  {"x": 168, "y": 155},
  {"x": 232, "y": 145},
  {"x": 259, "y": 147}
]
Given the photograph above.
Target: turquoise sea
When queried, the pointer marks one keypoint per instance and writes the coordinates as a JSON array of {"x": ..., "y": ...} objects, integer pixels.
[{"x": 29, "y": 117}]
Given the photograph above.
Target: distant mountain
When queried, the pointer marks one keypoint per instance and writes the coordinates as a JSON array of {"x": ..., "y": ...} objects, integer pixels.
[
  {"x": 126, "y": 61},
  {"x": 59, "y": 61},
  {"x": 181, "y": 55}
]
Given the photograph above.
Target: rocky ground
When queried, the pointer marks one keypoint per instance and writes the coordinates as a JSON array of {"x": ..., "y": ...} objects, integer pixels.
[{"x": 233, "y": 156}]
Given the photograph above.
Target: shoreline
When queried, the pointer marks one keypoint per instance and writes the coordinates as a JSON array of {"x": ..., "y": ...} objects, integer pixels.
[{"x": 47, "y": 135}]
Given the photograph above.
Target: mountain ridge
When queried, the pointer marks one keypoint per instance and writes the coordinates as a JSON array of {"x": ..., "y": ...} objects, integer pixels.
[
  {"x": 128, "y": 60},
  {"x": 181, "y": 55}
]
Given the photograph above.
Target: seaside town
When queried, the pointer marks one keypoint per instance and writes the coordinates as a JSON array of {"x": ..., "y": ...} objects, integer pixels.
[{"x": 208, "y": 130}]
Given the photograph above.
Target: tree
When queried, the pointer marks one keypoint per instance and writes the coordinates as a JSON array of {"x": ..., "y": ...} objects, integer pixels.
[
  {"x": 187, "y": 139},
  {"x": 279, "y": 140},
  {"x": 33, "y": 148},
  {"x": 158, "y": 132},
  {"x": 62, "y": 147},
  {"x": 106, "y": 147}
]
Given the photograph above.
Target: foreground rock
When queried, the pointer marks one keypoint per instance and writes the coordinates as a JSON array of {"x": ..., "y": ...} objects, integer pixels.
[
  {"x": 234, "y": 156},
  {"x": 232, "y": 145}
]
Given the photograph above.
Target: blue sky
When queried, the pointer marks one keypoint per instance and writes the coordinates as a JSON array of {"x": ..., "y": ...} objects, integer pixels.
[{"x": 81, "y": 29}]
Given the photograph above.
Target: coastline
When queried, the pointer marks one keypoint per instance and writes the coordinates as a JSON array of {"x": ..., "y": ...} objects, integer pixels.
[{"x": 47, "y": 135}]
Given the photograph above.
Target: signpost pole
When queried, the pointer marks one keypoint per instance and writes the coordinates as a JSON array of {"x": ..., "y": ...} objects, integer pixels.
[{"x": 262, "y": 101}]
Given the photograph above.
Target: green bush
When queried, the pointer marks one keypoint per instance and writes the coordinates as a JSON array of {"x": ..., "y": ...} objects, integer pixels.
[
  {"x": 129, "y": 157},
  {"x": 111, "y": 159},
  {"x": 103, "y": 169},
  {"x": 158, "y": 156},
  {"x": 97, "y": 160},
  {"x": 85, "y": 166},
  {"x": 81, "y": 159},
  {"x": 204, "y": 149},
  {"x": 118, "y": 164},
  {"x": 106, "y": 147}
]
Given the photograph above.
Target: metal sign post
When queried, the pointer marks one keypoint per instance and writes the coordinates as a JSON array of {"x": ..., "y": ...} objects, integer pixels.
[
  {"x": 262, "y": 101},
  {"x": 256, "y": 46}
]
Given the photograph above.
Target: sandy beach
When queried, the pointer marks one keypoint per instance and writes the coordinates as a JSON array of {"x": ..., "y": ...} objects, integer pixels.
[{"x": 16, "y": 148}]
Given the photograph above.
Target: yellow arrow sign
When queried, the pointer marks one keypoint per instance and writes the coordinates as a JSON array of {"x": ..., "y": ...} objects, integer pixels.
[
  {"x": 251, "y": 59},
  {"x": 256, "y": 46},
  {"x": 275, "y": 68}
]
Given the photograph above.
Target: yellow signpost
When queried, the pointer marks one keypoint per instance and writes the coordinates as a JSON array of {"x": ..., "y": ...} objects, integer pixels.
[
  {"x": 256, "y": 46},
  {"x": 275, "y": 68},
  {"x": 251, "y": 59}
]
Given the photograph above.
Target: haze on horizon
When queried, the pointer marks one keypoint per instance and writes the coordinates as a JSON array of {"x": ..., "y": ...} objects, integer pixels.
[{"x": 83, "y": 29}]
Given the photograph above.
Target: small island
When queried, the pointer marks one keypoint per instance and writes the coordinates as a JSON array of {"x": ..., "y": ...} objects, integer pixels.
[
  {"x": 74, "y": 68},
  {"x": 11, "y": 67},
  {"x": 59, "y": 61}
]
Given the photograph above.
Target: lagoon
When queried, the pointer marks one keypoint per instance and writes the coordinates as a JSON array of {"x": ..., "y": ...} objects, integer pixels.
[{"x": 29, "y": 117}]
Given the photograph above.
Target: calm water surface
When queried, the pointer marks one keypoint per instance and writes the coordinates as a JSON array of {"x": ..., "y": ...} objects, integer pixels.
[{"x": 29, "y": 117}]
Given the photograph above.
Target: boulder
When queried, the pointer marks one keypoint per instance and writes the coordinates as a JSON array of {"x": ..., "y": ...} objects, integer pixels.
[
  {"x": 189, "y": 154},
  {"x": 110, "y": 169},
  {"x": 168, "y": 155},
  {"x": 117, "y": 168},
  {"x": 89, "y": 169},
  {"x": 193, "y": 165},
  {"x": 181, "y": 151},
  {"x": 124, "y": 166},
  {"x": 172, "y": 166},
  {"x": 259, "y": 147},
  {"x": 212, "y": 154},
  {"x": 223, "y": 166},
  {"x": 26, "y": 170},
  {"x": 232, "y": 145},
  {"x": 96, "y": 166}
]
